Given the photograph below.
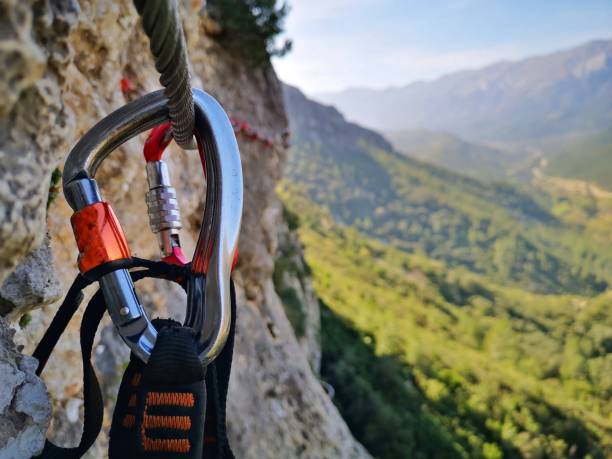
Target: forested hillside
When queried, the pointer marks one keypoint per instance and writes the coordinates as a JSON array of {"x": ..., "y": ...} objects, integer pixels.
[
  {"x": 454, "y": 153},
  {"x": 428, "y": 361},
  {"x": 493, "y": 228},
  {"x": 584, "y": 158},
  {"x": 460, "y": 317}
]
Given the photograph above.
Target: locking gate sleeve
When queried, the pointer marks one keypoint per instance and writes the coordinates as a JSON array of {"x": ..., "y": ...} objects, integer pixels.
[{"x": 99, "y": 236}]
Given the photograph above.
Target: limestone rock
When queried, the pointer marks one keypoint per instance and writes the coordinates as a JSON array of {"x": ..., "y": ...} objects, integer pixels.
[
  {"x": 292, "y": 415},
  {"x": 33, "y": 120},
  {"x": 293, "y": 283},
  {"x": 31, "y": 284},
  {"x": 25, "y": 409}
]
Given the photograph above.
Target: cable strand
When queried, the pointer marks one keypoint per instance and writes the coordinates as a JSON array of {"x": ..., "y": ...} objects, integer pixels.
[{"x": 161, "y": 23}]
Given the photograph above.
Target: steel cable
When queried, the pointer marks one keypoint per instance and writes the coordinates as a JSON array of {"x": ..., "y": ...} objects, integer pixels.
[{"x": 161, "y": 23}]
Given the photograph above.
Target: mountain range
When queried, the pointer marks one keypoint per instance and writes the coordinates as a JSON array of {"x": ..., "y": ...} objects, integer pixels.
[{"x": 534, "y": 98}]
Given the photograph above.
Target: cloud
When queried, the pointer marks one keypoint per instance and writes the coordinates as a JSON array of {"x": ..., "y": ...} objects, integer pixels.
[
  {"x": 331, "y": 66},
  {"x": 343, "y": 43},
  {"x": 422, "y": 64},
  {"x": 379, "y": 43}
]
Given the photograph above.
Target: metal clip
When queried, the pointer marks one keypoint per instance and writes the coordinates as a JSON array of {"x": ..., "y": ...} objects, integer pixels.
[{"x": 209, "y": 306}]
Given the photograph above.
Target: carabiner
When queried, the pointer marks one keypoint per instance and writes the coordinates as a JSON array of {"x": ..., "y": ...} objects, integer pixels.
[{"x": 104, "y": 252}]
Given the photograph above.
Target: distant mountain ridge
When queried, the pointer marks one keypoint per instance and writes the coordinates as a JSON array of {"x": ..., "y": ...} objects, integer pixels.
[
  {"x": 307, "y": 116},
  {"x": 531, "y": 98}
]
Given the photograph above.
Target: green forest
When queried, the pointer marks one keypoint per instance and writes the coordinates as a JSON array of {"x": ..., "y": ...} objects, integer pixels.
[
  {"x": 492, "y": 228},
  {"x": 429, "y": 361},
  {"x": 585, "y": 158},
  {"x": 461, "y": 318}
]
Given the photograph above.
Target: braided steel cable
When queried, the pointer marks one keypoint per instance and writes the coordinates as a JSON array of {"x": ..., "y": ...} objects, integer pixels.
[{"x": 161, "y": 23}]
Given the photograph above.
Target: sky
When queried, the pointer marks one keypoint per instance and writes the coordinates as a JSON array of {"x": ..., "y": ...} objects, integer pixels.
[{"x": 339, "y": 44}]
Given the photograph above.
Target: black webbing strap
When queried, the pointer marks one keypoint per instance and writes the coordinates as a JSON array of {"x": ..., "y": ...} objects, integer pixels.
[
  {"x": 60, "y": 321},
  {"x": 174, "y": 367},
  {"x": 216, "y": 444},
  {"x": 92, "y": 395},
  {"x": 161, "y": 406}
]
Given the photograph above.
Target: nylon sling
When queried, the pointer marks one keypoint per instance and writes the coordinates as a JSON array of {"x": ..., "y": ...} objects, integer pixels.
[{"x": 162, "y": 409}]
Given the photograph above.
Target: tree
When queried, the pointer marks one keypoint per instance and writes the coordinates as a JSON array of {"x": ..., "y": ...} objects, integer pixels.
[{"x": 249, "y": 27}]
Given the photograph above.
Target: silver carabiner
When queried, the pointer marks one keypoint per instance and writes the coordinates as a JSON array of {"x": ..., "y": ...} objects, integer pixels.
[{"x": 219, "y": 232}]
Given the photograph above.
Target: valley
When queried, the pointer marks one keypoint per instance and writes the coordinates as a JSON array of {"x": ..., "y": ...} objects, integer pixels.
[{"x": 462, "y": 316}]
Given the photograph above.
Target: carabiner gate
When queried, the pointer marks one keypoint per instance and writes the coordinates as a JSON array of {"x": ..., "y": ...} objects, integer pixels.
[{"x": 103, "y": 248}]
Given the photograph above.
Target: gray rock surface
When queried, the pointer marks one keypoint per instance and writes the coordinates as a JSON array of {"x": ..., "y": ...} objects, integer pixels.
[
  {"x": 291, "y": 414},
  {"x": 292, "y": 278},
  {"x": 33, "y": 121},
  {"x": 32, "y": 284},
  {"x": 25, "y": 409},
  {"x": 72, "y": 57}
]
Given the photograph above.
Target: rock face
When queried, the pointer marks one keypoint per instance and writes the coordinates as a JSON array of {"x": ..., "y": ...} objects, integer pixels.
[
  {"x": 293, "y": 284},
  {"x": 24, "y": 404},
  {"x": 32, "y": 284},
  {"x": 64, "y": 61}
]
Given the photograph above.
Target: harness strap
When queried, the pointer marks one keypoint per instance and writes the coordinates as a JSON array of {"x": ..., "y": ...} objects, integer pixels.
[
  {"x": 92, "y": 395},
  {"x": 216, "y": 444},
  {"x": 161, "y": 408},
  {"x": 71, "y": 303},
  {"x": 188, "y": 416}
]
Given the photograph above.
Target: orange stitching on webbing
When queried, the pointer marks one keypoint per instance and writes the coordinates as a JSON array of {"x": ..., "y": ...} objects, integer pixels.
[
  {"x": 185, "y": 399},
  {"x": 168, "y": 422},
  {"x": 128, "y": 421},
  {"x": 136, "y": 379},
  {"x": 132, "y": 401},
  {"x": 173, "y": 445},
  {"x": 170, "y": 445}
]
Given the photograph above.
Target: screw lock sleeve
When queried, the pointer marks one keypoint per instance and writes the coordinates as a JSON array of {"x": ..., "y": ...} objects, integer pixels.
[
  {"x": 163, "y": 206},
  {"x": 99, "y": 236}
]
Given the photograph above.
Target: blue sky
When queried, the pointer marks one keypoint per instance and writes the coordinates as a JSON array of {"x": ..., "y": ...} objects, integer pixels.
[{"x": 379, "y": 43}]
